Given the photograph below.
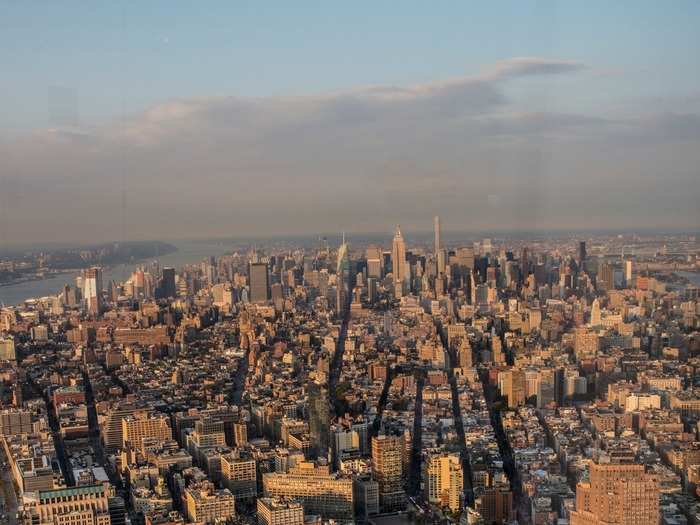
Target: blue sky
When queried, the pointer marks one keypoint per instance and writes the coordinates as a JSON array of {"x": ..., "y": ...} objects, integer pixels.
[
  {"x": 114, "y": 57},
  {"x": 233, "y": 118}
]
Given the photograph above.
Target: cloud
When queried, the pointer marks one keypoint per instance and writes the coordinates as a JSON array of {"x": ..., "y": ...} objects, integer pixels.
[
  {"x": 356, "y": 159},
  {"x": 529, "y": 66},
  {"x": 457, "y": 97}
]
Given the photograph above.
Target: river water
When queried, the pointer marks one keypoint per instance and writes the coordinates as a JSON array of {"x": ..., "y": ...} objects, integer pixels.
[
  {"x": 188, "y": 252},
  {"x": 693, "y": 277}
]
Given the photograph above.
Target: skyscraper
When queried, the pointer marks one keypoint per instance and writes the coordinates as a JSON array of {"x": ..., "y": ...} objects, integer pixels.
[
  {"x": 436, "y": 227},
  {"x": 168, "y": 283},
  {"x": 343, "y": 278},
  {"x": 464, "y": 354},
  {"x": 582, "y": 256},
  {"x": 628, "y": 273},
  {"x": 617, "y": 493},
  {"x": 387, "y": 468},
  {"x": 319, "y": 417},
  {"x": 444, "y": 480},
  {"x": 209, "y": 270},
  {"x": 374, "y": 262},
  {"x": 92, "y": 289},
  {"x": 595, "y": 313},
  {"x": 440, "y": 254},
  {"x": 259, "y": 276},
  {"x": 513, "y": 386},
  {"x": 398, "y": 259},
  {"x": 606, "y": 277},
  {"x": 495, "y": 504}
]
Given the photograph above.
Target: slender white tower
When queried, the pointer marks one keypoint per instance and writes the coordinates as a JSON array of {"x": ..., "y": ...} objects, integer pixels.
[{"x": 436, "y": 226}]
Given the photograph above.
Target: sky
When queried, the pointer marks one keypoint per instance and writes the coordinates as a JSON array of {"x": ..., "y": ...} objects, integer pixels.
[{"x": 166, "y": 120}]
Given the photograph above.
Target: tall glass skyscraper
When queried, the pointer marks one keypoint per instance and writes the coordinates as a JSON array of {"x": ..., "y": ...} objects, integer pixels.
[{"x": 319, "y": 417}]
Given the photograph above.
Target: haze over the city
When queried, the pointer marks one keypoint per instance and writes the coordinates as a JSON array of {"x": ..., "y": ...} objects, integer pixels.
[
  {"x": 175, "y": 122},
  {"x": 361, "y": 263}
]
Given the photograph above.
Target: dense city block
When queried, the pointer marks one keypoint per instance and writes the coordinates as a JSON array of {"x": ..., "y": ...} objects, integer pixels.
[{"x": 551, "y": 380}]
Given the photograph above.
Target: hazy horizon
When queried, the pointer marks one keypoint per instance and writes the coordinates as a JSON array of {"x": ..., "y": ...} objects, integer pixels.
[
  {"x": 448, "y": 235},
  {"x": 166, "y": 124}
]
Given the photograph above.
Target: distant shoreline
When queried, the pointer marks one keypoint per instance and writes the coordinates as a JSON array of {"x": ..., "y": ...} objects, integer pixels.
[
  {"x": 36, "y": 278},
  {"x": 58, "y": 273},
  {"x": 68, "y": 261}
]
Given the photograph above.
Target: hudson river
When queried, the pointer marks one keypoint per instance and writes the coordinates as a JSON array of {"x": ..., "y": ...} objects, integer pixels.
[{"x": 188, "y": 252}]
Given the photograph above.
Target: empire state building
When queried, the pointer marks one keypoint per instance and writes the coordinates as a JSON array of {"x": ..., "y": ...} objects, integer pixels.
[{"x": 398, "y": 261}]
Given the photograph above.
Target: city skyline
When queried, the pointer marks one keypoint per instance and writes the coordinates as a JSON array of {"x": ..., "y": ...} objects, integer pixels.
[
  {"x": 491, "y": 381},
  {"x": 368, "y": 263}
]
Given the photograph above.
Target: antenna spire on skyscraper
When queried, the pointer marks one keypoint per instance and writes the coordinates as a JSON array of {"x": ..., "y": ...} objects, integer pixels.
[{"x": 436, "y": 227}]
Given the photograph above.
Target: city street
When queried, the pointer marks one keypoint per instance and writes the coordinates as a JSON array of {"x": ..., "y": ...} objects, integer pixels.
[{"x": 9, "y": 498}]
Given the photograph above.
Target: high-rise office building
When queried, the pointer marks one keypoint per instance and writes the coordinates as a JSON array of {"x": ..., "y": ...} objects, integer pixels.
[
  {"x": 92, "y": 289},
  {"x": 259, "y": 276},
  {"x": 465, "y": 257},
  {"x": 595, "y": 313},
  {"x": 319, "y": 417},
  {"x": 495, "y": 504},
  {"x": 113, "y": 291},
  {"x": 209, "y": 270},
  {"x": 617, "y": 493},
  {"x": 441, "y": 262},
  {"x": 546, "y": 388},
  {"x": 586, "y": 342},
  {"x": 240, "y": 433},
  {"x": 436, "y": 227},
  {"x": 277, "y": 295},
  {"x": 497, "y": 354},
  {"x": 582, "y": 256},
  {"x": 513, "y": 386},
  {"x": 464, "y": 354},
  {"x": 342, "y": 271},
  {"x": 444, "y": 481},
  {"x": 387, "y": 469},
  {"x": 606, "y": 277},
  {"x": 371, "y": 289},
  {"x": 628, "y": 273},
  {"x": 374, "y": 262},
  {"x": 398, "y": 259},
  {"x": 440, "y": 253},
  {"x": 168, "y": 283}
]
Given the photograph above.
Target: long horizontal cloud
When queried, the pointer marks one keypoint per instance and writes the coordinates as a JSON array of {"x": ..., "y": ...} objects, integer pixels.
[{"x": 358, "y": 159}]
